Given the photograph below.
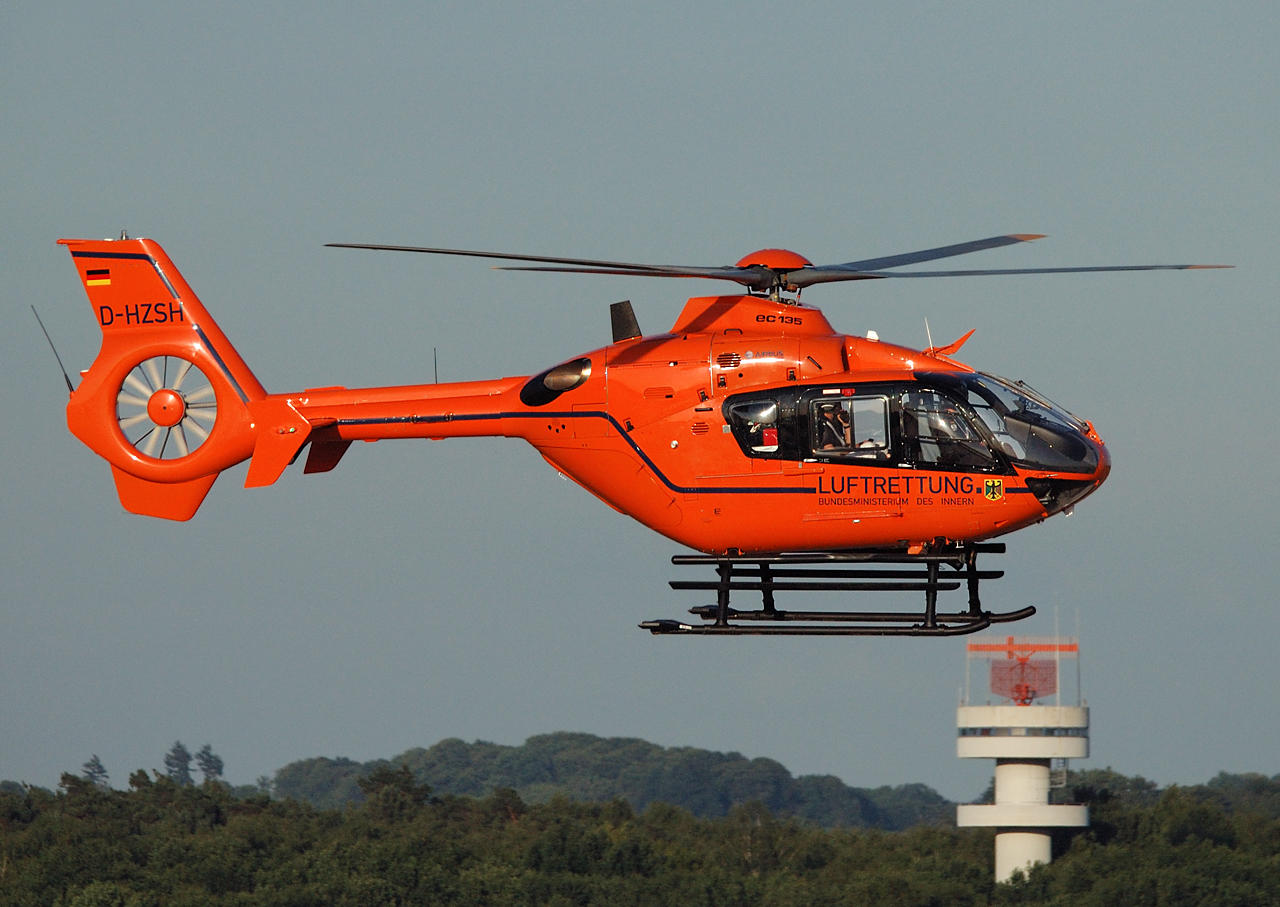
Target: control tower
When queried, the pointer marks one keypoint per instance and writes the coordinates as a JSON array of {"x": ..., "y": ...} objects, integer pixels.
[{"x": 1028, "y": 731}]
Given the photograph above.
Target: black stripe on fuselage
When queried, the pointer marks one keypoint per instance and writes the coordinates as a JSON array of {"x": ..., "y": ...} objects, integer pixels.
[
  {"x": 589, "y": 414},
  {"x": 596, "y": 414}
]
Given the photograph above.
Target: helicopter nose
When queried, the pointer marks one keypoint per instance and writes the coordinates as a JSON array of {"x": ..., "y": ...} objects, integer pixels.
[
  {"x": 1066, "y": 503},
  {"x": 1104, "y": 461},
  {"x": 1060, "y": 494},
  {"x": 1090, "y": 437}
]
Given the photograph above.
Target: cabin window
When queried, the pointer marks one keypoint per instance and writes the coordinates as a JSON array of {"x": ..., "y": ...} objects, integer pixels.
[
  {"x": 755, "y": 422},
  {"x": 937, "y": 432},
  {"x": 855, "y": 427}
]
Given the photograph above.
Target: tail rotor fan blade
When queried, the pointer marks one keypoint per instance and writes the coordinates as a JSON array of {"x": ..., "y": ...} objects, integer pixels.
[
  {"x": 152, "y": 441},
  {"x": 132, "y": 421},
  {"x": 152, "y": 370},
  {"x": 199, "y": 407},
  {"x": 181, "y": 375},
  {"x": 195, "y": 428},
  {"x": 136, "y": 384},
  {"x": 199, "y": 396}
]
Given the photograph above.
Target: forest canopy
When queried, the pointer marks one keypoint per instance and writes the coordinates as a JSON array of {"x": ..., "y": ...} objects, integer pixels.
[
  {"x": 586, "y": 767},
  {"x": 162, "y": 843}
]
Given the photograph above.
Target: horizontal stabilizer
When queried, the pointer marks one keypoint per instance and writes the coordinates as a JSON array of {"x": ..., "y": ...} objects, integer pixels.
[
  {"x": 324, "y": 455},
  {"x": 281, "y": 433}
]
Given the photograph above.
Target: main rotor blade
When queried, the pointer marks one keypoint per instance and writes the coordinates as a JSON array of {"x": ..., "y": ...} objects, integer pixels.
[
  {"x": 758, "y": 277},
  {"x": 726, "y": 273},
  {"x": 912, "y": 258},
  {"x": 505, "y": 256},
  {"x": 748, "y": 277},
  {"x": 807, "y": 277}
]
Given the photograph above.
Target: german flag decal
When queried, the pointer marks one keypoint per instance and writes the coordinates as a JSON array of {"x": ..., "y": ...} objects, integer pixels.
[{"x": 100, "y": 277}]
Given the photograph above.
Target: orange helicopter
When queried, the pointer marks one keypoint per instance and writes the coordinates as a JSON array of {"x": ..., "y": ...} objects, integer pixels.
[{"x": 796, "y": 458}]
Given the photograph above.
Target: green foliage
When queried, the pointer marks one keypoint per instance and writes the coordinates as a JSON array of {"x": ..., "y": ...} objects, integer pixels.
[
  {"x": 325, "y": 783},
  {"x": 589, "y": 768},
  {"x": 163, "y": 843},
  {"x": 1175, "y": 847},
  {"x": 209, "y": 762},
  {"x": 177, "y": 764},
  {"x": 1243, "y": 793},
  {"x": 95, "y": 772},
  {"x": 1089, "y": 785}
]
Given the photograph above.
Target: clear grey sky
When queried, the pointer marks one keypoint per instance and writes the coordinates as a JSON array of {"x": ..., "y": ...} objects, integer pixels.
[{"x": 461, "y": 588}]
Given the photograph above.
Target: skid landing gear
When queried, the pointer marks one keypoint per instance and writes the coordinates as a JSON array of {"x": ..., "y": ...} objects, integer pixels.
[{"x": 834, "y": 571}]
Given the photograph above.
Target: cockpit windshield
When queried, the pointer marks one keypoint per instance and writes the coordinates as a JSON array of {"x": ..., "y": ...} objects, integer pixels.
[
  {"x": 1019, "y": 395},
  {"x": 1028, "y": 428}
]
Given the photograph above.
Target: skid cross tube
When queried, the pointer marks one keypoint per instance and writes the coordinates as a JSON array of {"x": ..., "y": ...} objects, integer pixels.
[{"x": 840, "y": 571}]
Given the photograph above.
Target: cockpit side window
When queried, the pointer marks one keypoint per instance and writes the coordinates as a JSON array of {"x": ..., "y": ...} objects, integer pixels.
[
  {"x": 937, "y": 432},
  {"x": 755, "y": 422},
  {"x": 1011, "y": 437},
  {"x": 855, "y": 427}
]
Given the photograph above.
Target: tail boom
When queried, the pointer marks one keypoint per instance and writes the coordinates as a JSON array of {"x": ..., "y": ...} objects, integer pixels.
[{"x": 331, "y": 418}]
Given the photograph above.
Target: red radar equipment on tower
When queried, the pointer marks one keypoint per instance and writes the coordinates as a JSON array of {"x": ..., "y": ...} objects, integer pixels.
[{"x": 1024, "y": 668}]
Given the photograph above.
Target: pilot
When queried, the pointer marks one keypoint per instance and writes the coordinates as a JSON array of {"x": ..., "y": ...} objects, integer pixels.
[{"x": 832, "y": 435}]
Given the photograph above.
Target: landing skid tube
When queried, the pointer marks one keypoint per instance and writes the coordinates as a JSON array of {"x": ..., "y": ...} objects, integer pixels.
[{"x": 827, "y": 571}]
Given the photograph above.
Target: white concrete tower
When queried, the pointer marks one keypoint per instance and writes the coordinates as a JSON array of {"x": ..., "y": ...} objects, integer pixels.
[{"x": 1023, "y": 734}]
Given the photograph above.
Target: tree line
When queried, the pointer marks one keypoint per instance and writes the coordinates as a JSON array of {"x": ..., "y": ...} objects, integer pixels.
[
  {"x": 177, "y": 764},
  {"x": 585, "y": 767},
  {"x": 161, "y": 843}
]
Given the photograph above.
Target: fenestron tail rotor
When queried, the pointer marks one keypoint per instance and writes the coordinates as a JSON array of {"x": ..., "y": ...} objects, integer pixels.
[{"x": 166, "y": 407}]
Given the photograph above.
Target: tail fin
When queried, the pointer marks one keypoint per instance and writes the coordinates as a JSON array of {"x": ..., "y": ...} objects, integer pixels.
[{"x": 166, "y": 401}]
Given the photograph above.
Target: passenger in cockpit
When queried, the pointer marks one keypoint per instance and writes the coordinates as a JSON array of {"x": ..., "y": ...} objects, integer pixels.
[{"x": 846, "y": 429}]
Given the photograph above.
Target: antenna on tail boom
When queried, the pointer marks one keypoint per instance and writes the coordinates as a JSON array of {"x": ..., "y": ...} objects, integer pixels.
[{"x": 65, "y": 376}]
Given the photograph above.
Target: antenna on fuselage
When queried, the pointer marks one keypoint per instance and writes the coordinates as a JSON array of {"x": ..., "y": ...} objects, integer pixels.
[{"x": 928, "y": 333}]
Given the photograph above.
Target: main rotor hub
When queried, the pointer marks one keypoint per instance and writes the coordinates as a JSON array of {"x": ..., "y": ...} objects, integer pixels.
[
  {"x": 166, "y": 408},
  {"x": 776, "y": 260}
]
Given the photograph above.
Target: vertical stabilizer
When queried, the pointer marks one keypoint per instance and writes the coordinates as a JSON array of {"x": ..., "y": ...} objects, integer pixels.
[{"x": 166, "y": 401}]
